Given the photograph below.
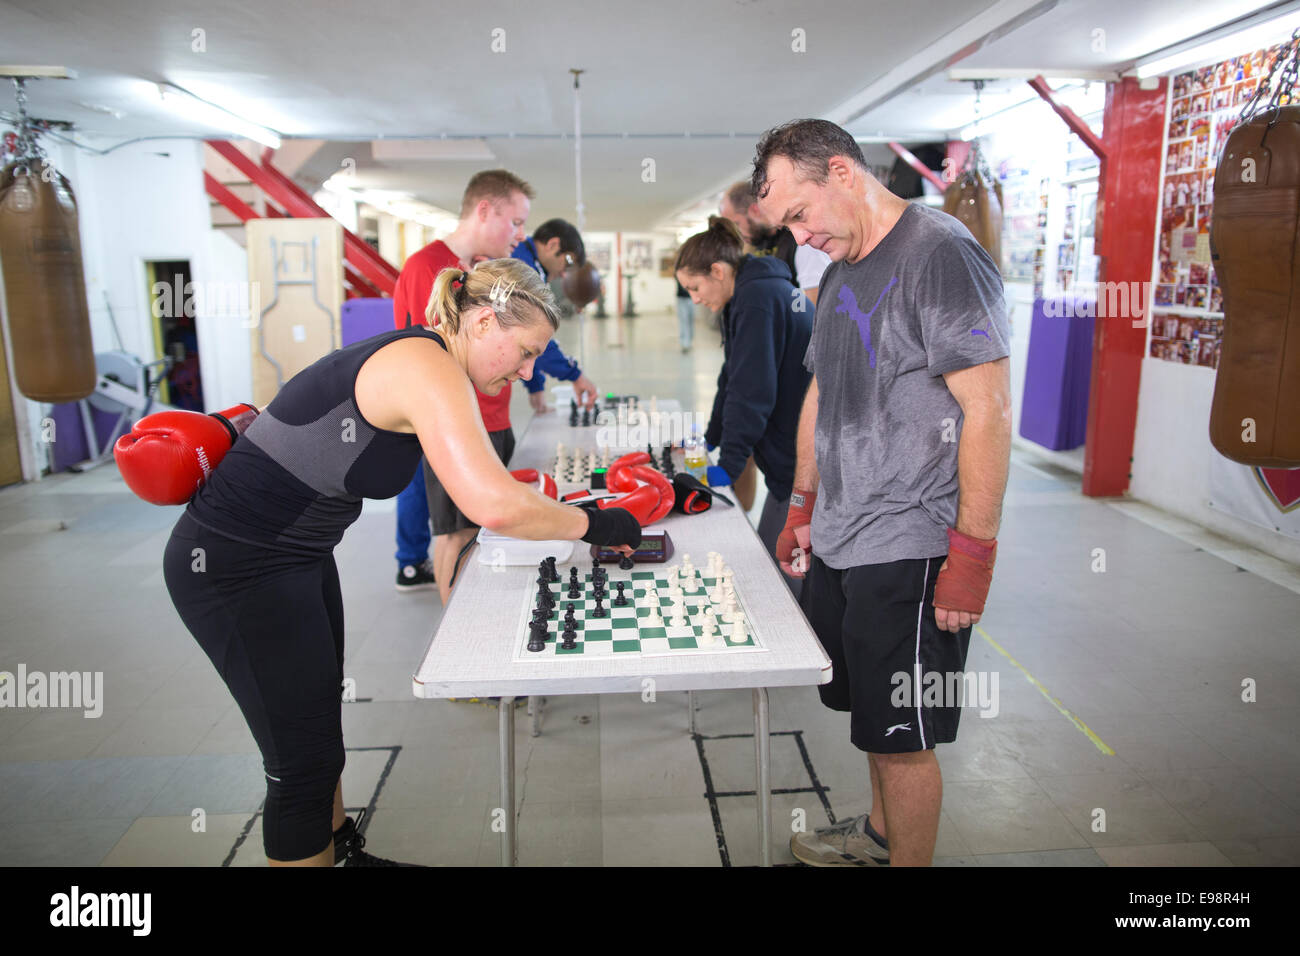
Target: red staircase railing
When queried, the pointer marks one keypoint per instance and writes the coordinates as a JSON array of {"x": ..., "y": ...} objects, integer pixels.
[{"x": 366, "y": 272}]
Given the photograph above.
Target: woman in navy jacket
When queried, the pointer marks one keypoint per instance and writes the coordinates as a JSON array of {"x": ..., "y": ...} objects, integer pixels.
[{"x": 766, "y": 325}]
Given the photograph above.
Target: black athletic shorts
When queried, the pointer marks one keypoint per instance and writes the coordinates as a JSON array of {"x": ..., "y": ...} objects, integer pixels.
[
  {"x": 876, "y": 621},
  {"x": 443, "y": 513}
]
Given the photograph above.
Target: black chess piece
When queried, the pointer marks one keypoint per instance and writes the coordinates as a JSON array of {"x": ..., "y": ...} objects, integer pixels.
[
  {"x": 575, "y": 591},
  {"x": 626, "y": 563},
  {"x": 569, "y": 639},
  {"x": 586, "y": 417},
  {"x": 537, "y": 636},
  {"x": 620, "y": 600},
  {"x": 598, "y": 610},
  {"x": 550, "y": 569}
]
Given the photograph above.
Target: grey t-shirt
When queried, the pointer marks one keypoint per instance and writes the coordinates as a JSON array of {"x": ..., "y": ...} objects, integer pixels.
[{"x": 926, "y": 301}]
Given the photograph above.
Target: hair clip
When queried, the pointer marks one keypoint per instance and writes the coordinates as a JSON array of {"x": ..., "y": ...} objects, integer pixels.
[{"x": 500, "y": 293}]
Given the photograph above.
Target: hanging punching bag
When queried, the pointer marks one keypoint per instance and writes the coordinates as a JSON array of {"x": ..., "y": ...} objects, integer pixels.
[
  {"x": 977, "y": 204},
  {"x": 40, "y": 253},
  {"x": 1255, "y": 414}
]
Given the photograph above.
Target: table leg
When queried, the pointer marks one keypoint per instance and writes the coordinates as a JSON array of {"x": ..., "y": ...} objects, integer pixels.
[
  {"x": 763, "y": 760},
  {"x": 506, "y": 731},
  {"x": 690, "y": 707},
  {"x": 535, "y": 706}
]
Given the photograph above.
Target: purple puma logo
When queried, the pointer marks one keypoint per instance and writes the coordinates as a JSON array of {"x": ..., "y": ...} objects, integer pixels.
[{"x": 849, "y": 306}]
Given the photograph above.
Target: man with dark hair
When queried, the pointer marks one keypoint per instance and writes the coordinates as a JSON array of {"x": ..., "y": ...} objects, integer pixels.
[
  {"x": 553, "y": 247},
  {"x": 807, "y": 265},
  {"x": 903, "y": 449}
]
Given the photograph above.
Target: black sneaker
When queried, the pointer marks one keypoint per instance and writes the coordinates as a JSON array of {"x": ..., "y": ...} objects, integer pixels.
[
  {"x": 416, "y": 577},
  {"x": 349, "y": 846}
]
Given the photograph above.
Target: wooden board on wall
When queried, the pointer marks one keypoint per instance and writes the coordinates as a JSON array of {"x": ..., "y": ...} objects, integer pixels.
[
  {"x": 11, "y": 467},
  {"x": 289, "y": 324}
]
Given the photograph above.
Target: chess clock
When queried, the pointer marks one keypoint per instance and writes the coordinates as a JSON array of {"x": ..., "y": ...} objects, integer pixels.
[{"x": 654, "y": 549}]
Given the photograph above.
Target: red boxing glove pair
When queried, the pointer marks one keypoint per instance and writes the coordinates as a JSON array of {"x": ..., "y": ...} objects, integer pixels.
[
  {"x": 963, "y": 583},
  {"x": 167, "y": 456}
]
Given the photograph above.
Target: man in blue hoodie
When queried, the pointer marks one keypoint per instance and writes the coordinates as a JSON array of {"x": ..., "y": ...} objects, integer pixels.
[
  {"x": 555, "y": 245},
  {"x": 766, "y": 326}
]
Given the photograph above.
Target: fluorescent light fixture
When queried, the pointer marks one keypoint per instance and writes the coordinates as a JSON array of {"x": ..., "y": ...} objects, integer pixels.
[
  {"x": 201, "y": 111},
  {"x": 1251, "y": 38}
]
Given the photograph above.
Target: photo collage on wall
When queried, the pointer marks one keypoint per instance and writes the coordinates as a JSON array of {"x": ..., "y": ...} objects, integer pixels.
[{"x": 1187, "y": 314}]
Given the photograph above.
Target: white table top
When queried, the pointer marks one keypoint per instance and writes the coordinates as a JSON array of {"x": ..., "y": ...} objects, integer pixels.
[{"x": 471, "y": 653}]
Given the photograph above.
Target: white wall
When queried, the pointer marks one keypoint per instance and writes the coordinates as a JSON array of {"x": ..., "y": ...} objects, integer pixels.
[
  {"x": 1172, "y": 453},
  {"x": 146, "y": 201}
]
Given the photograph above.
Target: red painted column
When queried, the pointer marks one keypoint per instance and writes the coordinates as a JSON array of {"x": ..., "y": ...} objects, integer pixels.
[{"x": 1129, "y": 185}]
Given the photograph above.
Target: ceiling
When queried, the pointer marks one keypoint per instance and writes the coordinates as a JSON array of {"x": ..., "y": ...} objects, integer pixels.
[{"x": 720, "y": 71}]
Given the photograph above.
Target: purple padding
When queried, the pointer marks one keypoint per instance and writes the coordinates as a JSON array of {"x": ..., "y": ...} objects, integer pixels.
[
  {"x": 363, "y": 318},
  {"x": 70, "y": 436},
  {"x": 1054, "y": 409}
]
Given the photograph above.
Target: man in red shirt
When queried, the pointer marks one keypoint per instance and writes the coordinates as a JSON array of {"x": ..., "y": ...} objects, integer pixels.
[{"x": 493, "y": 211}]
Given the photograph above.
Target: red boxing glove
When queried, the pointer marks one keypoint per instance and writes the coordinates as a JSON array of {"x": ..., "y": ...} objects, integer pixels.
[
  {"x": 796, "y": 533},
  {"x": 963, "y": 583},
  {"x": 167, "y": 456},
  {"x": 649, "y": 502},
  {"x": 545, "y": 483}
]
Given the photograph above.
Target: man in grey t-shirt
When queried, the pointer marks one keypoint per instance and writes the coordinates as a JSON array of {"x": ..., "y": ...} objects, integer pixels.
[{"x": 903, "y": 450}]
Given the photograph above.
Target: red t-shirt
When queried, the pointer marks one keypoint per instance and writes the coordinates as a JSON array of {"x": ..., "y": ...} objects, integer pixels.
[{"x": 411, "y": 300}]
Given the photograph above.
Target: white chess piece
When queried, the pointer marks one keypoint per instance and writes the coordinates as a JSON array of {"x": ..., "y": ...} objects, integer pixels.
[
  {"x": 738, "y": 635},
  {"x": 654, "y": 618}
]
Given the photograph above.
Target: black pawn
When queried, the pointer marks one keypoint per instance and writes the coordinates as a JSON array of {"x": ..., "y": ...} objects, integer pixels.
[
  {"x": 569, "y": 613},
  {"x": 626, "y": 562},
  {"x": 569, "y": 639},
  {"x": 620, "y": 600},
  {"x": 586, "y": 418},
  {"x": 598, "y": 610}
]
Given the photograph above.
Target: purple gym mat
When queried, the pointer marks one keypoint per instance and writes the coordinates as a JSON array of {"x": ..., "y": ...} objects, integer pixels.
[
  {"x": 1058, "y": 369},
  {"x": 363, "y": 318}
]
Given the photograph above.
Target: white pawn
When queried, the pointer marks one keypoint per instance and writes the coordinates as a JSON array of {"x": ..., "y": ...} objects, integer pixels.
[
  {"x": 738, "y": 631},
  {"x": 654, "y": 618},
  {"x": 679, "y": 615}
]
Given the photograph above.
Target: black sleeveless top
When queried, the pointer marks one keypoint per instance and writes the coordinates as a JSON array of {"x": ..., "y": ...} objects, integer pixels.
[{"x": 295, "y": 479}]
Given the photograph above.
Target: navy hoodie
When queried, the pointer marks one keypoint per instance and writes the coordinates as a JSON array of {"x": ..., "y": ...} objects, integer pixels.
[{"x": 763, "y": 382}]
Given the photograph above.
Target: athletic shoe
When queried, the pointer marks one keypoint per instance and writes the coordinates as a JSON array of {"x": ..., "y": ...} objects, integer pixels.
[
  {"x": 349, "y": 846},
  {"x": 416, "y": 577},
  {"x": 847, "y": 843}
]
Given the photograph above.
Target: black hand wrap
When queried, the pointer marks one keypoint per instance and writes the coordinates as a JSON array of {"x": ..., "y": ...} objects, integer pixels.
[{"x": 610, "y": 527}]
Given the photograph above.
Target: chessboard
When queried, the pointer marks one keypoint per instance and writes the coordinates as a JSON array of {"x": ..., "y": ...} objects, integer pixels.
[
  {"x": 665, "y": 611},
  {"x": 575, "y": 465}
]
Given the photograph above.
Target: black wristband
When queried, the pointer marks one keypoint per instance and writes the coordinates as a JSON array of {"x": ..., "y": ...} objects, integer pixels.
[{"x": 609, "y": 527}]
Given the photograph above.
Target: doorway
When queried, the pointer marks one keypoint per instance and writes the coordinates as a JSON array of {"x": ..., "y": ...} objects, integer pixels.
[{"x": 172, "y": 307}]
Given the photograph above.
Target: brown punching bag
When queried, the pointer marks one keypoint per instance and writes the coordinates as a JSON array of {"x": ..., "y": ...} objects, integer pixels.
[
  {"x": 977, "y": 204},
  {"x": 1255, "y": 414},
  {"x": 40, "y": 252}
]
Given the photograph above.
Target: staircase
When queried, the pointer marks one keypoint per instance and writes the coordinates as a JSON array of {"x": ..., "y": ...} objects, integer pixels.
[{"x": 244, "y": 188}]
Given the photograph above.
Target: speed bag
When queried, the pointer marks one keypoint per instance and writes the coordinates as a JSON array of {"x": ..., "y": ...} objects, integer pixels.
[
  {"x": 40, "y": 253},
  {"x": 978, "y": 206},
  {"x": 1255, "y": 413}
]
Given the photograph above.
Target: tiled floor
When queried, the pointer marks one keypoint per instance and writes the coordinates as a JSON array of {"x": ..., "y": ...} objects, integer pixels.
[{"x": 1121, "y": 736}]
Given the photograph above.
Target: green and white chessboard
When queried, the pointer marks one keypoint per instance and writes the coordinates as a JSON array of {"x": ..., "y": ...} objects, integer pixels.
[{"x": 622, "y": 633}]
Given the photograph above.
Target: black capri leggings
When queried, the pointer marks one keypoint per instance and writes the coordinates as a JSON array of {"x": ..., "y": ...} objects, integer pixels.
[{"x": 272, "y": 625}]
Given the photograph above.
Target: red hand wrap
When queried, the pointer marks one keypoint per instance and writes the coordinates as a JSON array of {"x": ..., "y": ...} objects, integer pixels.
[
  {"x": 798, "y": 516},
  {"x": 963, "y": 585}
]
